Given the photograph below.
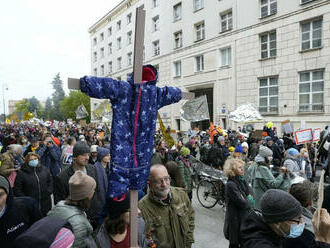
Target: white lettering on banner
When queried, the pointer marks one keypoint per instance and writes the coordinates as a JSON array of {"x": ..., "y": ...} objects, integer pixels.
[
  {"x": 316, "y": 134},
  {"x": 14, "y": 228},
  {"x": 303, "y": 136}
]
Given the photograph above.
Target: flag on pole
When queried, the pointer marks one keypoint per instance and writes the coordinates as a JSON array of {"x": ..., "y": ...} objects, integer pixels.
[{"x": 167, "y": 136}]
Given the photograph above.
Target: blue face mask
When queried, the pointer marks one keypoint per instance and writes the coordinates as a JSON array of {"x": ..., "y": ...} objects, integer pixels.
[
  {"x": 296, "y": 230},
  {"x": 34, "y": 163}
]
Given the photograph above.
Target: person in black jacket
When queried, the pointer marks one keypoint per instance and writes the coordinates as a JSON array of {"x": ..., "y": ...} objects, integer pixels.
[
  {"x": 277, "y": 155},
  {"x": 238, "y": 200},
  {"x": 35, "y": 181},
  {"x": 17, "y": 214},
  {"x": 280, "y": 218},
  {"x": 80, "y": 155}
]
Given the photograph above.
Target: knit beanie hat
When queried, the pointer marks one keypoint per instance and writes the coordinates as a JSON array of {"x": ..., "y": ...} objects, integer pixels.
[
  {"x": 265, "y": 152},
  {"x": 102, "y": 152},
  {"x": 277, "y": 206},
  {"x": 221, "y": 138},
  {"x": 244, "y": 144},
  {"x": 80, "y": 186},
  {"x": 184, "y": 151},
  {"x": 117, "y": 206},
  {"x": 293, "y": 152},
  {"x": 231, "y": 149},
  {"x": 80, "y": 148},
  {"x": 4, "y": 184},
  {"x": 239, "y": 149}
]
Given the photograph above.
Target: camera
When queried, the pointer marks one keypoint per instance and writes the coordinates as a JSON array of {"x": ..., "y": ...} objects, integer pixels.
[{"x": 50, "y": 142}]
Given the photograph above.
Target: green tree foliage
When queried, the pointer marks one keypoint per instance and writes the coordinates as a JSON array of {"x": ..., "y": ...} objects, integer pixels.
[
  {"x": 57, "y": 96},
  {"x": 70, "y": 103},
  {"x": 22, "y": 106},
  {"x": 49, "y": 110}
]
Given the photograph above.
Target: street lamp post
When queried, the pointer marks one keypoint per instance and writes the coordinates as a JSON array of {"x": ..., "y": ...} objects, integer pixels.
[{"x": 4, "y": 87}]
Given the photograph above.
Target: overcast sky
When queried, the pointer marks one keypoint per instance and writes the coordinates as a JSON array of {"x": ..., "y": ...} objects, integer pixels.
[{"x": 40, "y": 38}]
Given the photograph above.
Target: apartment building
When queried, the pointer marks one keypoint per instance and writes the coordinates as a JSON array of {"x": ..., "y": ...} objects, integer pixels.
[{"x": 274, "y": 54}]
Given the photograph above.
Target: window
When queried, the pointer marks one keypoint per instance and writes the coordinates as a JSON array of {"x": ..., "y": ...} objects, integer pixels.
[
  {"x": 109, "y": 31},
  {"x": 178, "y": 39},
  {"x": 102, "y": 36},
  {"x": 129, "y": 38},
  {"x": 200, "y": 31},
  {"x": 199, "y": 60},
  {"x": 225, "y": 55},
  {"x": 177, "y": 69},
  {"x": 311, "y": 34},
  {"x": 129, "y": 58},
  {"x": 94, "y": 41},
  {"x": 102, "y": 70},
  {"x": 129, "y": 18},
  {"x": 177, "y": 11},
  {"x": 110, "y": 48},
  {"x": 102, "y": 52},
  {"x": 119, "y": 43},
  {"x": 268, "y": 94},
  {"x": 110, "y": 67},
  {"x": 95, "y": 72},
  {"x": 118, "y": 25},
  {"x": 119, "y": 63},
  {"x": 268, "y": 45},
  {"x": 95, "y": 56},
  {"x": 311, "y": 91},
  {"x": 156, "y": 48},
  {"x": 268, "y": 7},
  {"x": 198, "y": 4},
  {"x": 154, "y": 3},
  {"x": 155, "y": 23},
  {"x": 226, "y": 21}
]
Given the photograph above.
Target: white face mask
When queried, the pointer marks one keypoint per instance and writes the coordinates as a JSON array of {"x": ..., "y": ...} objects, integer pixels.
[{"x": 270, "y": 159}]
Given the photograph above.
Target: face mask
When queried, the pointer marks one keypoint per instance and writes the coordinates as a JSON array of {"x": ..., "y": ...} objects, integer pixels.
[
  {"x": 296, "y": 230},
  {"x": 34, "y": 163},
  {"x": 24, "y": 140},
  {"x": 270, "y": 159}
]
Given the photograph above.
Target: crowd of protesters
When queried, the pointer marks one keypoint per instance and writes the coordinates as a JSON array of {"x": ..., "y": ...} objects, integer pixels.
[{"x": 54, "y": 183}]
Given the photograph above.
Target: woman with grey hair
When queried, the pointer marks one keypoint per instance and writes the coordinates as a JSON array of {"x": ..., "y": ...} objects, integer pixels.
[{"x": 16, "y": 151}]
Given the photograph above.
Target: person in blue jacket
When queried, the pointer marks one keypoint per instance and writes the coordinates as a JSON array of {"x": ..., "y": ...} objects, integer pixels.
[{"x": 135, "y": 109}]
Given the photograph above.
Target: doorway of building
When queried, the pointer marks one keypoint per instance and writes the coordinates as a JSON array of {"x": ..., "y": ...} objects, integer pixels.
[{"x": 204, "y": 125}]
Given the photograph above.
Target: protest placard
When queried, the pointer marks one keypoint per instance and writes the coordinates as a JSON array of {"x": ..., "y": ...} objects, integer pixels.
[
  {"x": 316, "y": 134},
  {"x": 287, "y": 127},
  {"x": 303, "y": 136}
]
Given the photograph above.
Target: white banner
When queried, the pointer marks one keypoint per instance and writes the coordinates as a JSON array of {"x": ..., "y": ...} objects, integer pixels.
[{"x": 195, "y": 110}]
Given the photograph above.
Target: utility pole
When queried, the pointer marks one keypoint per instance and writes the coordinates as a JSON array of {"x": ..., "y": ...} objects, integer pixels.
[{"x": 4, "y": 87}]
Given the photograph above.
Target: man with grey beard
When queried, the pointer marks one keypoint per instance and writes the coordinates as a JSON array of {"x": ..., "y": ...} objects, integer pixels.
[{"x": 167, "y": 211}]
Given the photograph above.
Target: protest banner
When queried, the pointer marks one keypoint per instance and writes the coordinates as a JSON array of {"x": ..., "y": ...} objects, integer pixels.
[
  {"x": 287, "y": 127},
  {"x": 195, "y": 110},
  {"x": 316, "y": 134},
  {"x": 303, "y": 136},
  {"x": 81, "y": 112}
]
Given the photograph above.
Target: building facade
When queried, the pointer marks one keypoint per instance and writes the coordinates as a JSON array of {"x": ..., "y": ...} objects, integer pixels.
[{"x": 274, "y": 54}]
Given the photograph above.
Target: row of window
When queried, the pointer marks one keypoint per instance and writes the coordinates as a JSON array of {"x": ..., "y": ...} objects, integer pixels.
[{"x": 311, "y": 92}]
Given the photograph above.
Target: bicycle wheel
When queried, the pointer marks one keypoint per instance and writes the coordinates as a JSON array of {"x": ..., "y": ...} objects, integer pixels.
[{"x": 207, "y": 194}]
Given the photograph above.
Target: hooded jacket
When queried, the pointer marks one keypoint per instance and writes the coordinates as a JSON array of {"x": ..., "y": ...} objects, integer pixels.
[
  {"x": 50, "y": 157},
  {"x": 135, "y": 109},
  {"x": 20, "y": 214},
  {"x": 36, "y": 183}
]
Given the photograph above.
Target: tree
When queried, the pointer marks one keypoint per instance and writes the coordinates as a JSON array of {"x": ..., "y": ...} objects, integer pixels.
[
  {"x": 49, "y": 110},
  {"x": 57, "y": 96},
  {"x": 34, "y": 106},
  {"x": 22, "y": 106},
  {"x": 70, "y": 103}
]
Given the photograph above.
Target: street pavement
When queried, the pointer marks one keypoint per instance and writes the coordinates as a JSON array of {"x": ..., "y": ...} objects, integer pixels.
[{"x": 208, "y": 226}]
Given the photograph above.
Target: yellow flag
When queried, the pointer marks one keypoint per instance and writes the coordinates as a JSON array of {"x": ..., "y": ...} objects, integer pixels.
[
  {"x": 7, "y": 121},
  {"x": 167, "y": 137}
]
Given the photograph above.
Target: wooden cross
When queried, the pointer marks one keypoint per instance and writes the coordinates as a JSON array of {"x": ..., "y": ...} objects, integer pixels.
[{"x": 138, "y": 65}]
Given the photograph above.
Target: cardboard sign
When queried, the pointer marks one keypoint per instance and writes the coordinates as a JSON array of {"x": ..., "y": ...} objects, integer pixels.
[
  {"x": 316, "y": 134},
  {"x": 287, "y": 127},
  {"x": 303, "y": 136}
]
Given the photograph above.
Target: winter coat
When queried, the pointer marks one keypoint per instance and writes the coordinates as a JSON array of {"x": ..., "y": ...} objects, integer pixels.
[
  {"x": 51, "y": 158},
  {"x": 171, "y": 224},
  {"x": 216, "y": 156},
  {"x": 7, "y": 164},
  {"x": 61, "y": 191},
  {"x": 303, "y": 162},
  {"x": 255, "y": 233},
  {"x": 102, "y": 180},
  {"x": 253, "y": 151},
  {"x": 20, "y": 214},
  {"x": 277, "y": 155},
  {"x": 41, "y": 234},
  {"x": 135, "y": 109},
  {"x": 29, "y": 149},
  {"x": 37, "y": 183},
  {"x": 262, "y": 179},
  {"x": 102, "y": 238},
  {"x": 175, "y": 174},
  {"x": 292, "y": 165},
  {"x": 81, "y": 228},
  {"x": 237, "y": 207},
  {"x": 184, "y": 167}
]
